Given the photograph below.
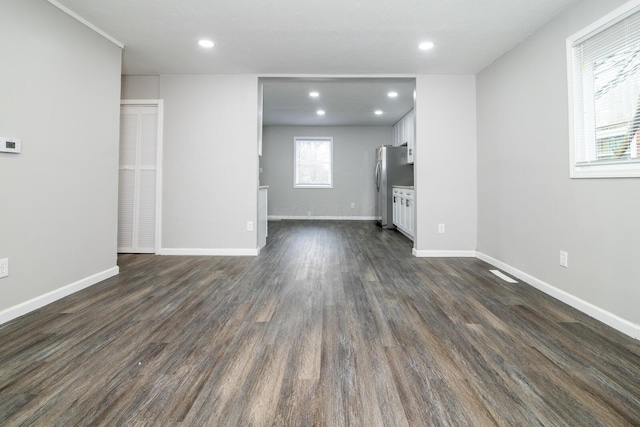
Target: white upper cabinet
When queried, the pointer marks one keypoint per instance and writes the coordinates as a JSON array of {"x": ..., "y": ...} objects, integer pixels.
[
  {"x": 409, "y": 124},
  {"x": 398, "y": 134},
  {"x": 404, "y": 133}
]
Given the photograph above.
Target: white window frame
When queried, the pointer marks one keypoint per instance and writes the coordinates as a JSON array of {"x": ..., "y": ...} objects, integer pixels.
[
  {"x": 604, "y": 169},
  {"x": 295, "y": 161}
]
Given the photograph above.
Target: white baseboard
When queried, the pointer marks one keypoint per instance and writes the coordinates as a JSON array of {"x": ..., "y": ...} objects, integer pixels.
[
  {"x": 330, "y": 218},
  {"x": 209, "y": 252},
  {"x": 616, "y": 322},
  {"x": 442, "y": 254},
  {"x": 42, "y": 300}
]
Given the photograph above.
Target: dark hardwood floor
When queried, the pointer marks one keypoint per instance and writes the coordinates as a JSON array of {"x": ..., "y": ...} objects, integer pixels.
[{"x": 334, "y": 324}]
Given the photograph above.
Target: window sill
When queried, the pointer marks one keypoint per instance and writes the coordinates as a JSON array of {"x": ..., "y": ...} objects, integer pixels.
[
  {"x": 312, "y": 186},
  {"x": 630, "y": 169}
]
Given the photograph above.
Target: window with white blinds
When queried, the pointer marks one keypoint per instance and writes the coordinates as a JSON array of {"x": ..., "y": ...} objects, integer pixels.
[{"x": 604, "y": 86}]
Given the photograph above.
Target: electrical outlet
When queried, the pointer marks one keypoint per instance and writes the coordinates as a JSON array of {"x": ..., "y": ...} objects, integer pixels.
[
  {"x": 564, "y": 259},
  {"x": 249, "y": 225},
  {"x": 353, "y": 205},
  {"x": 4, "y": 267},
  {"x": 441, "y": 228}
]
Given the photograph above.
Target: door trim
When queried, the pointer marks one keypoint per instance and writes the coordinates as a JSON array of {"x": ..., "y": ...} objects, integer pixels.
[{"x": 159, "y": 103}]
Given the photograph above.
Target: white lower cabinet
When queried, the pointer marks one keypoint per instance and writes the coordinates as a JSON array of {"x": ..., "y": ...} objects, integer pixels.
[
  {"x": 396, "y": 207},
  {"x": 403, "y": 211}
]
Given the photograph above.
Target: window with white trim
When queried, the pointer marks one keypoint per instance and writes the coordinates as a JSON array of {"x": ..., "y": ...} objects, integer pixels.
[
  {"x": 604, "y": 86},
  {"x": 313, "y": 158}
]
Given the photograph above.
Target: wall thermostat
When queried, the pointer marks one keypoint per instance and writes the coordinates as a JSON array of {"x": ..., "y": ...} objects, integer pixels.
[{"x": 10, "y": 145}]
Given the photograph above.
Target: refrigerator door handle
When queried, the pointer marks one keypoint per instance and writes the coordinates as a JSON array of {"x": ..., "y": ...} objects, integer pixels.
[{"x": 378, "y": 176}]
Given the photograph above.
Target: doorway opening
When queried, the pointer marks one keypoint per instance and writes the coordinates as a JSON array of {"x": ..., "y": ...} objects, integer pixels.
[{"x": 358, "y": 114}]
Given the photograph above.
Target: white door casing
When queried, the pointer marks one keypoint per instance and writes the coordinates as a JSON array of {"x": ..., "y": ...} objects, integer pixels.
[{"x": 139, "y": 195}]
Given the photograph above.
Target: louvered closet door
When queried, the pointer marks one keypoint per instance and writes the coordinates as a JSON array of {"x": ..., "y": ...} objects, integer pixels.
[{"x": 138, "y": 174}]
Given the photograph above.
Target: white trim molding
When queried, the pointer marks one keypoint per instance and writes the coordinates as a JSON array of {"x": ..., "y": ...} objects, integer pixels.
[
  {"x": 209, "y": 252},
  {"x": 589, "y": 309},
  {"x": 42, "y": 300},
  {"x": 442, "y": 254},
  {"x": 159, "y": 104},
  {"x": 86, "y": 23},
  {"x": 330, "y": 218}
]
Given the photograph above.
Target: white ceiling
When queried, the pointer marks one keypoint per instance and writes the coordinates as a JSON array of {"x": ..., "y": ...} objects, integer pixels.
[
  {"x": 346, "y": 101},
  {"x": 310, "y": 37}
]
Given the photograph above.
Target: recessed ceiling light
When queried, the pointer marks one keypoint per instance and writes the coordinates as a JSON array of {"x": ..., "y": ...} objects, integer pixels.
[
  {"x": 314, "y": 94},
  {"x": 426, "y": 45},
  {"x": 392, "y": 94},
  {"x": 320, "y": 112},
  {"x": 378, "y": 112},
  {"x": 206, "y": 43}
]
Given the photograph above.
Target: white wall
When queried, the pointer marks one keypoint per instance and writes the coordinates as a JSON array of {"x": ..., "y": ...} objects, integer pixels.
[
  {"x": 445, "y": 159},
  {"x": 210, "y": 175},
  {"x": 59, "y": 93},
  {"x": 353, "y": 161},
  {"x": 204, "y": 113},
  {"x": 140, "y": 87},
  {"x": 529, "y": 209}
]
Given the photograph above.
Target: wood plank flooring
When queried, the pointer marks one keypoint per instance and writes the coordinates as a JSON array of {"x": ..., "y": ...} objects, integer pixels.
[{"x": 334, "y": 324}]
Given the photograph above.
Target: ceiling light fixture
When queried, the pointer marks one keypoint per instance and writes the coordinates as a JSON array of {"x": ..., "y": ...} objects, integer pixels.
[
  {"x": 392, "y": 94},
  {"x": 314, "y": 94},
  {"x": 320, "y": 112},
  {"x": 426, "y": 45},
  {"x": 378, "y": 112},
  {"x": 206, "y": 43}
]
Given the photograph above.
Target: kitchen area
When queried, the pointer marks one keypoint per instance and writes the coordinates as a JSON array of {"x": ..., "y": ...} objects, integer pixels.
[
  {"x": 395, "y": 194},
  {"x": 357, "y": 116}
]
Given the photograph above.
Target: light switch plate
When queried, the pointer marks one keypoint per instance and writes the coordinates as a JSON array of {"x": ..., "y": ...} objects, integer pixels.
[
  {"x": 564, "y": 259},
  {"x": 4, "y": 267}
]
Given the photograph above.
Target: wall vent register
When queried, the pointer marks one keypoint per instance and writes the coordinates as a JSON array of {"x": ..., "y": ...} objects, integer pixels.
[{"x": 10, "y": 145}]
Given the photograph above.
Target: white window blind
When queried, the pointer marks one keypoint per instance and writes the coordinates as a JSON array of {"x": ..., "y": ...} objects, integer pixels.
[
  {"x": 313, "y": 158},
  {"x": 605, "y": 75}
]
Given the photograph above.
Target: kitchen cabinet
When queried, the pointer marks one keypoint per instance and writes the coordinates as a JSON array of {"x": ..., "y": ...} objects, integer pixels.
[
  {"x": 396, "y": 207},
  {"x": 404, "y": 133},
  {"x": 409, "y": 124},
  {"x": 398, "y": 134},
  {"x": 403, "y": 210}
]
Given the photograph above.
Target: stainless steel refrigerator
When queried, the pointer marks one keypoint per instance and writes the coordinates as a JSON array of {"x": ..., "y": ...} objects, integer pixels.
[{"x": 391, "y": 169}]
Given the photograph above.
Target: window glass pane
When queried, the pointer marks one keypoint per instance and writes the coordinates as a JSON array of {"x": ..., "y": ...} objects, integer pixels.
[
  {"x": 313, "y": 162},
  {"x": 616, "y": 90}
]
